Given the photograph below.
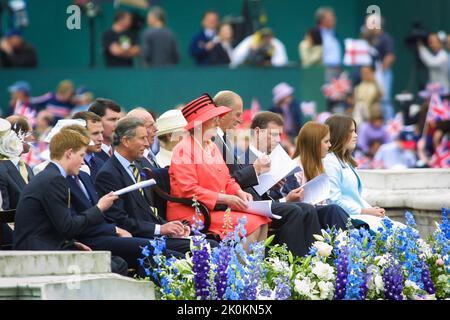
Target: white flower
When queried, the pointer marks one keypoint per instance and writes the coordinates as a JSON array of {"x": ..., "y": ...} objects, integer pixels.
[
  {"x": 323, "y": 271},
  {"x": 318, "y": 237},
  {"x": 425, "y": 248},
  {"x": 281, "y": 266},
  {"x": 183, "y": 266},
  {"x": 379, "y": 285},
  {"x": 323, "y": 249},
  {"x": 326, "y": 289},
  {"x": 381, "y": 261},
  {"x": 304, "y": 287},
  {"x": 443, "y": 279},
  {"x": 412, "y": 285},
  {"x": 342, "y": 238},
  {"x": 11, "y": 146}
]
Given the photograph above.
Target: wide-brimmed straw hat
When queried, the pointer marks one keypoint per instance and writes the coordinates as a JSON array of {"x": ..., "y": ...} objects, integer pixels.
[
  {"x": 170, "y": 121},
  {"x": 201, "y": 110}
]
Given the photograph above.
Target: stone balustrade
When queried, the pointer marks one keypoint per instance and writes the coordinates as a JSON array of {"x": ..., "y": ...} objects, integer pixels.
[{"x": 424, "y": 192}]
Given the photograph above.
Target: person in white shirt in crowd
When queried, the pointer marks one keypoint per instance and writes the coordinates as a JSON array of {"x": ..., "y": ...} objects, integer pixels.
[
  {"x": 331, "y": 48},
  {"x": 435, "y": 60},
  {"x": 260, "y": 49},
  {"x": 170, "y": 131}
]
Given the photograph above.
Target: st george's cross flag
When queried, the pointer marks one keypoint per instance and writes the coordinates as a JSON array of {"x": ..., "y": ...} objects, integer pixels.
[{"x": 357, "y": 53}]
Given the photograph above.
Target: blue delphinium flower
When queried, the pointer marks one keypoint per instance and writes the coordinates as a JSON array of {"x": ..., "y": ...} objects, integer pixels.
[
  {"x": 393, "y": 281},
  {"x": 442, "y": 239},
  {"x": 407, "y": 240},
  {"x": 237, "y": 274},
  {"x": 200, "y": 268},
  {"x": 222, "y": 257},
  {"x": 385, "y": 233},
  {"x": 356, "y": 276},
  {"x": 426, "y": 280},
  {"x": 255, "y": 270},
  {"x": 341, "y": 274},
  {"x": 282, "y": 289}
]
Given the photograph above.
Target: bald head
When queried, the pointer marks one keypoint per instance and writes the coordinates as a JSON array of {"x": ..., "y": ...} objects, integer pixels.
[
  {"x": 231, "y": 100},
  {"x": 149, "y": 122}
]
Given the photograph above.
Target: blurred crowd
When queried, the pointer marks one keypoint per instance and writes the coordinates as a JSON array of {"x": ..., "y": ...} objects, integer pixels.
[{"x": 358, "y": 81}]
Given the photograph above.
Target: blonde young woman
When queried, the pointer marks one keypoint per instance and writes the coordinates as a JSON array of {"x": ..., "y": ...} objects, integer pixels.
[{"x": 313, "y": 143}]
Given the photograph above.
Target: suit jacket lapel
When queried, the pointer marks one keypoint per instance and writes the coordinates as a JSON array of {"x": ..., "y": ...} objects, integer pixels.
[
  {"x": 76, "y": 190},
  {"x": 88, "y": 184},
  {"x": 128, "y": 181},
  {"x": 15, "y": 174}
]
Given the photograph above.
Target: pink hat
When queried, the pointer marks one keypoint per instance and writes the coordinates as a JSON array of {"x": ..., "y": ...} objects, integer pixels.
[
  {"x": 281, "y": 91},
  {"x": 201, "y": 110}
]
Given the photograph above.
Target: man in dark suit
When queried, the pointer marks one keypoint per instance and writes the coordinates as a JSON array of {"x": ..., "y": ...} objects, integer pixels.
[
  {"x": 202, "y": 43},
  {"x": 95, "y": 128},
  {"x": 109, "y": 111},
  {"x": 265, "y": 136},
  {"x": 43, "y": 216},
  {"x": 299, "y": 222},
  {"x": 106, "y": 235},
  {"x": 133, "y": 211},
  {"x": 149, "y": 159},
  {"x": 15, "y": 173}
]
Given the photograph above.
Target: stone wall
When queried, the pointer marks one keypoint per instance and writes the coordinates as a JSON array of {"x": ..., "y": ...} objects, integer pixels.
[
  {"x": 66, "y": 275},
  {"x": 424, "y": 192}
]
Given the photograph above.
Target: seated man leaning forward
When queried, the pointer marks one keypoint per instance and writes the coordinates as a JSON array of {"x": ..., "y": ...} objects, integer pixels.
[{"x": 43, "y": 217}]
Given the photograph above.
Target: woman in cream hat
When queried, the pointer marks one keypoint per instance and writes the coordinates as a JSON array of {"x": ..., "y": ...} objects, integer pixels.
[{"x": 170, "y": 131}]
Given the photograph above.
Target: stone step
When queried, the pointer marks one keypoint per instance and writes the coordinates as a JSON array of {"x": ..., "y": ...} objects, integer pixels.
[
  {"x": 106, "y": 286},
  {"x": 53, "y": 263},
  {"x": 418, "y": 179}
]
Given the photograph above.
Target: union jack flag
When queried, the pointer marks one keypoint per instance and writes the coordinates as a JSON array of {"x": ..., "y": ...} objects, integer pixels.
[
  {"x": 337, "y": 88},
  {"x": 438, "y": 110},
  {"x": 24, "y": 109},
  {"x": 441, "y": 157},
  {"x": 394, "y": 126}
]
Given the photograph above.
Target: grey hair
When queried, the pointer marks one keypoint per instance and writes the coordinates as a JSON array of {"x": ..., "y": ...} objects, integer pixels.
[
  {"x": 126, "y": 127},
  {"x": 320, "y": 13}
]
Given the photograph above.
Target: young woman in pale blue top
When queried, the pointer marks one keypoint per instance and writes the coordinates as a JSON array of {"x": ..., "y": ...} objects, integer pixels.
[{"x": 345, "y": 182}]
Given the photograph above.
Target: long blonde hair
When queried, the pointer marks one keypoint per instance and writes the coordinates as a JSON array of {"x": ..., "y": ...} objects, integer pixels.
[{"x": 309, "y": 148}]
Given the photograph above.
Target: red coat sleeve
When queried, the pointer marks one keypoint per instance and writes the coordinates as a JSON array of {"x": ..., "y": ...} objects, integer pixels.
[
  {"x": 232, "y": 187},
  {"x": 184, "y": 183}
]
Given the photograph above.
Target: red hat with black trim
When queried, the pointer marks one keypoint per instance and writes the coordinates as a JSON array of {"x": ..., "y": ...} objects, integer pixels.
[{"x": 201, "y": 110}]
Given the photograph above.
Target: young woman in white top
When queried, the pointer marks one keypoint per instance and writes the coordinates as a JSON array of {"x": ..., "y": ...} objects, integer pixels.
[{"x": 340, "y": 166}]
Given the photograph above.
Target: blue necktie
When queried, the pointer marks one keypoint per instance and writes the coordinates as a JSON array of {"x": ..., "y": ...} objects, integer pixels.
[{"x": 93, "y": 166}]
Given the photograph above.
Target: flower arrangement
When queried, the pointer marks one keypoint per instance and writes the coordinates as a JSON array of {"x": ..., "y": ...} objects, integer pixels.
[{"x": 393, "y": 264}]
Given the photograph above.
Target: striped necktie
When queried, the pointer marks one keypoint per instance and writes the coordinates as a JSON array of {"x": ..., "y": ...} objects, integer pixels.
[{"x": 137, "y": 177}]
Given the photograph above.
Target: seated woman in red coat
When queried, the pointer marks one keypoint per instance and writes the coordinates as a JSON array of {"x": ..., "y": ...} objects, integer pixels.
[{"x": 198, "y": 169}]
